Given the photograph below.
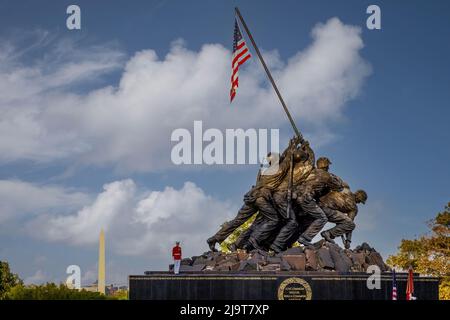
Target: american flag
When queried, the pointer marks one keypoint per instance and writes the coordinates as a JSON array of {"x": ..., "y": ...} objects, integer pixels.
[
  {"x": 240, "y": 55},
  {"x": 394, "y": 286}
]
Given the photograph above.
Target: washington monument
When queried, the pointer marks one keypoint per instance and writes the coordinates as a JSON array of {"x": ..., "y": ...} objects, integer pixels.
[{"x": 101, "y": 263}]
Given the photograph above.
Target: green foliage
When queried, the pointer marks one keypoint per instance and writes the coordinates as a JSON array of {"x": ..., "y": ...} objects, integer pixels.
[
  {"x": 51, "y": 291},
  {"x": 7, "y": 279},
  {"x": 233, "y": 237},
  {"x": 429, "y": 254},
  {"x": 12, "y": 288},
  {"x": 121, "y": 295}
]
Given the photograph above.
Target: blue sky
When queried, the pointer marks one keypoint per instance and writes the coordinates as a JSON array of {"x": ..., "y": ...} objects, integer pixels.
[{"x": 386, "y": 131}]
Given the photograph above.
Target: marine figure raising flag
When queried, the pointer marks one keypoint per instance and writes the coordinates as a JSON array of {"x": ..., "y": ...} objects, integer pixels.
[{"x": 283, "y": 104}]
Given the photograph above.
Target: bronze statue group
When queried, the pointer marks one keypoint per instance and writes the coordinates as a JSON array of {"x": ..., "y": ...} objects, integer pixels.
[{"x": 292, "y": 203}]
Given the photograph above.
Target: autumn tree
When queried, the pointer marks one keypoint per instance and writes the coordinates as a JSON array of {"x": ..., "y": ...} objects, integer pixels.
[{"x": 430, "y": 253}]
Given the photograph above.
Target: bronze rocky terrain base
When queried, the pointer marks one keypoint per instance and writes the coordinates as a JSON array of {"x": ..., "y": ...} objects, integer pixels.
[{"x": 323, "y": 256}]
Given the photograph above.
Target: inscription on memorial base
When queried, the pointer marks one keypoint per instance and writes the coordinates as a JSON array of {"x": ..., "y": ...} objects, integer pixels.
[{"x": 294, "y": 289}]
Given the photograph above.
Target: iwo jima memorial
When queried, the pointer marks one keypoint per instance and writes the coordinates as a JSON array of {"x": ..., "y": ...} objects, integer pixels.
[{"x": 274, "y": 257}]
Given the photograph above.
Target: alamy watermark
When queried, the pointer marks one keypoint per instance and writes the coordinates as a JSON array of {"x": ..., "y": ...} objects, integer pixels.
[
  {"x": 73, "y": 281},
  {"x": 73, "y": 21},
  {"x": 374, "y": 280},
  {"x": 233, "y": 146}
]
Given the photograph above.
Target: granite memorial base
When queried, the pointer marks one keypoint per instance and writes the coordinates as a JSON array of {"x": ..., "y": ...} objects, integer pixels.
[{"x": 274, "y": 286}]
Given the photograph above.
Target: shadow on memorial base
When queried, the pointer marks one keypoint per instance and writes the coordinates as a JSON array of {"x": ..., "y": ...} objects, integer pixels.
[{"x": 274, "y": 286}]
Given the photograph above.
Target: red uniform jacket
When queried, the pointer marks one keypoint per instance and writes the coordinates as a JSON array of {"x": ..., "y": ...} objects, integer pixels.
[{"x": 176, "y": 253}]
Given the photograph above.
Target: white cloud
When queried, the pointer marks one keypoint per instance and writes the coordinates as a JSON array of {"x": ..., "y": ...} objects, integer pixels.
[
  {"x": 129, "y": 126},
  {"x": 89, "y": 276},
  {"x": 327, "y": 74},
  {"x": 139, "y": 222},
  {"x": 33, "y": 95},
  {"x": 18, "y": 198},
  {"x": 116, "y": 272},
  {"x": 39, "y": 277},
  {"x": 84, "y": 226}
]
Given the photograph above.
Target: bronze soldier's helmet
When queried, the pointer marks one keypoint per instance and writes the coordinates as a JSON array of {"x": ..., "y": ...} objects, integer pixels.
[
  {"x": 323, "y": 163},
  {"x": 360, "y": 196}
]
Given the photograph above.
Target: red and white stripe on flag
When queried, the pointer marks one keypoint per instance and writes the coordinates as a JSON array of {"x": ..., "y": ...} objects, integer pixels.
[
  {"x": 410, "y": 286},
  {"x": 240, "y": 55},
  {"x": 394, "y": 285}
]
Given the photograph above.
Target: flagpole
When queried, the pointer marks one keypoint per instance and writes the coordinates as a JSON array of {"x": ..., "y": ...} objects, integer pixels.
[{"x": 269, "y": 75}]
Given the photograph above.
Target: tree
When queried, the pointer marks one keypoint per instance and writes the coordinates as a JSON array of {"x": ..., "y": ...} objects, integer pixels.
[
  {"x": 121, "y": 294},
  {"x": 429, "y": 254},
  {"x": 7, "y": 279},
  {"x": 12, "y": 288},
  {"x": 51, "y": 291}
]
